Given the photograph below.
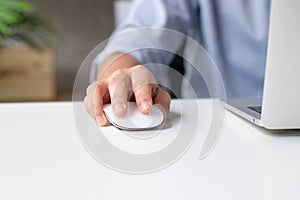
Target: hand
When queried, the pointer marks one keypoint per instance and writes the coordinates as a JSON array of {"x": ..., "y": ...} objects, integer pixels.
[{"x": 116, "y": 89}]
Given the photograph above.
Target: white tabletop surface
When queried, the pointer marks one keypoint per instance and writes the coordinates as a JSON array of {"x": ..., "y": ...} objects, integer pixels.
[{"x": 41, "y": 157}]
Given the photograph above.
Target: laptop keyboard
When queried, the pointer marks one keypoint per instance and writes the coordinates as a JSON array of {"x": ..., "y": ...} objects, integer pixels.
[{"x": 255, "y": 108}]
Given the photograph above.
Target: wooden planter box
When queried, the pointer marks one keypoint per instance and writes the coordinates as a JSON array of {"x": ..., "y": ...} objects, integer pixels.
[{"x": 26, "y": 74}]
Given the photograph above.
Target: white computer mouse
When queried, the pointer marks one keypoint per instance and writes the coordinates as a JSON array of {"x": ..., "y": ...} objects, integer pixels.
[{"x": 134, "y": 119}]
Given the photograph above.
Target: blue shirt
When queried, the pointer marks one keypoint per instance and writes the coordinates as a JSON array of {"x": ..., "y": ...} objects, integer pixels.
[{"x": 234, "y": 33}]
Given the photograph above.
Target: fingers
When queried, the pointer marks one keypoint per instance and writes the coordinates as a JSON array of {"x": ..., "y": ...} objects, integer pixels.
[
  {"x": 143, "y": 85},
  {"x": 98, "y": 104},
  {"x": 143, "y": 98},
  {"x": 163, "y": 99},
  {"x": 115, "y": 90},
  {"x": 94, "y": 102},
  {"x": 146, "y": 90},
  {"x": 119, "y": 84}
]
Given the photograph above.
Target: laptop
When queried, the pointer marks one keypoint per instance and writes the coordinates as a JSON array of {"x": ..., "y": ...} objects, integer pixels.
[{"x": 279, "y": 108}]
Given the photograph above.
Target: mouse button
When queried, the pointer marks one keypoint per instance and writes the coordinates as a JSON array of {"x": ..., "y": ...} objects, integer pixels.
[
  {"x": 134, "y": 119},
  {"x": 139, "y": 119}
]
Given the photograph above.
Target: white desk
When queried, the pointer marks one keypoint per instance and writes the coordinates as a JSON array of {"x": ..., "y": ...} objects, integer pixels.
[{"x": 41, "y": 157}]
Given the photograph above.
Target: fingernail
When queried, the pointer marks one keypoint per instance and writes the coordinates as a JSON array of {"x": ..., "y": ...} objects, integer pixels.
[
  {"x": 119, "y": 107},
  {"x": 145, "y": 105},
  {"x": 100, "y": 120}
]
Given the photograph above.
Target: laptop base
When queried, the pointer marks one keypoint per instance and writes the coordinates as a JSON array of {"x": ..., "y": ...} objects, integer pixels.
[{"x": 246, "y": 108}]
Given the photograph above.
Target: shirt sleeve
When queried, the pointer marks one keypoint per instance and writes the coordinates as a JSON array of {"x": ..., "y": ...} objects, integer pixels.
[{"x": 153, "y": 31}]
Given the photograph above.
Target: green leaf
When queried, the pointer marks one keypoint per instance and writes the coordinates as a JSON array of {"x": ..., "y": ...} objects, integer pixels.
[
  {"x": 1, "y": 41},
  {"x": 4, "y": 30},
  {"x": 20, "y": 6},
  {"x": 17, "y": 22},
  {"x": 9, "y": 17}
]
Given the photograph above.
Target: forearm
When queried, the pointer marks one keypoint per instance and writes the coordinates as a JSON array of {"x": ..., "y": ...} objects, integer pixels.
[{"x": 115, "y": 62}]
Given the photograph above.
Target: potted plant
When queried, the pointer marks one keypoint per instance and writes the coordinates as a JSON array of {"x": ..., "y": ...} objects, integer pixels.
[{"x": 26, "y": 56}]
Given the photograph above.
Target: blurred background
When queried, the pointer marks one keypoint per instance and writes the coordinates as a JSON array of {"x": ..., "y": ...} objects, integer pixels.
[{"x": 43, "y": 42}]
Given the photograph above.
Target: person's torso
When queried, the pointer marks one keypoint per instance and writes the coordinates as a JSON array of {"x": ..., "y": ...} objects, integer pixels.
[{"x": 234, "y": 33}]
